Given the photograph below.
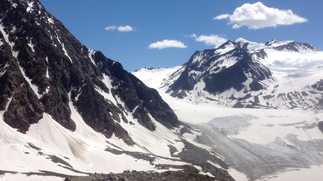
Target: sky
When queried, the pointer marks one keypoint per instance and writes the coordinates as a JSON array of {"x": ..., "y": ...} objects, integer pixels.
[{"x": 166, "y": 33}]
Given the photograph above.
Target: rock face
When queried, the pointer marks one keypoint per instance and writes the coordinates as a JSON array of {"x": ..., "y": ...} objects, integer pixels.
[
  {"x": 44, "y": 68},
  {"x": 221, "y": 70}
]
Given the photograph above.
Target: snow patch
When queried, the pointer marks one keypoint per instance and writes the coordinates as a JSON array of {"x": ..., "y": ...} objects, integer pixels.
[
  {"x": 63, "y": 47},
  {"x": 14, "y": 5},
  {"x": 227, "y": 48},
  {"x": 50, "y": 20},
  {"x": 3, "y": 70},
  {"x": 30, "y": 6},
  {"x": 91, "y": 54},
  {"x": 155, "y": 77},
  {"x": 32, "y": 86},
  {"x": 31, "y": 45}
]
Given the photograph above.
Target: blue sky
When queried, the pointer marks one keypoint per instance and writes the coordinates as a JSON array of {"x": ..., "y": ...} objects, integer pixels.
[{"x": 165, "y": 33}]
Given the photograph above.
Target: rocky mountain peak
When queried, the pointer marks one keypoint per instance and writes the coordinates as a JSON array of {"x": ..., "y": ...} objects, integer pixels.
[
  {"x": 46, "y": 70},
  {"x": 218, "y": 70},
  {"x": 244, "y": 73}
]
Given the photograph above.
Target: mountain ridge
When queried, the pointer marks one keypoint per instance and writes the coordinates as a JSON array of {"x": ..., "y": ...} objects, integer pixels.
[{"x": 257, "y": 71}]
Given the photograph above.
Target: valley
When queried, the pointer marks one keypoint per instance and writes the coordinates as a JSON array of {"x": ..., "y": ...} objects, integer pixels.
[{"x": 240, "y": 111}]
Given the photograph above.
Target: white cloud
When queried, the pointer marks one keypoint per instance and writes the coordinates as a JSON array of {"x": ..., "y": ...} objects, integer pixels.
[
  {"x": 257, "y": 16},
  {"x": 167, "y": 44},
  {"x": 214, "y": 40},
  {"x": 222, "y": 16},
  {"x": 190, "y": 36},
  {"x": 110, "y": 28},
  {"x": 126, "y": 28},
  {"x": 193, "y": 35}
]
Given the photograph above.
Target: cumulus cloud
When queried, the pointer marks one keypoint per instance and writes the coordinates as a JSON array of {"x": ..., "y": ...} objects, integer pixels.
[
  {"x": 257, "y": 16},
  {"x": 126, "y": 28},
  {"x": 167, "y": 44},
  {"x": 214, "y": 40}
]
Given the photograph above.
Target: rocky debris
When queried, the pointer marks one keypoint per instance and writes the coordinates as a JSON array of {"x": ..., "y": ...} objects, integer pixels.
[
  {"x": 145, "y": 176},
  {"x": 198, "y": 156},
  {"x": 137, "y": 155}
]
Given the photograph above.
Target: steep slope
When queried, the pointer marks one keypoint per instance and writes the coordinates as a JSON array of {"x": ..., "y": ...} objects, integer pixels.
[
  {"x": 247, "y": 74},
  {"x": 43, "y": 66}
]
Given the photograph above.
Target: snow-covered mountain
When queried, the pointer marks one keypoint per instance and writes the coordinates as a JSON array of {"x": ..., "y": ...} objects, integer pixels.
[
  {"x": 258, "y": 106},
  {"x": 67, "y": 110},
  {"x": 240, "y": 73}
]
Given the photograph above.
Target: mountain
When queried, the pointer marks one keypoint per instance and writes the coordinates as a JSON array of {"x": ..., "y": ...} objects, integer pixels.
[
  {"x": 44, "y": 68},
  {"x": 257, "y": 105},
  {"x": 67, "y": 110},
  {"x": 240, "y": 73}
]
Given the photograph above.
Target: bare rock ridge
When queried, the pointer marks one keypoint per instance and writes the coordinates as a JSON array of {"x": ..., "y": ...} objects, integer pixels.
[{"x": 45, "y": 69}]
